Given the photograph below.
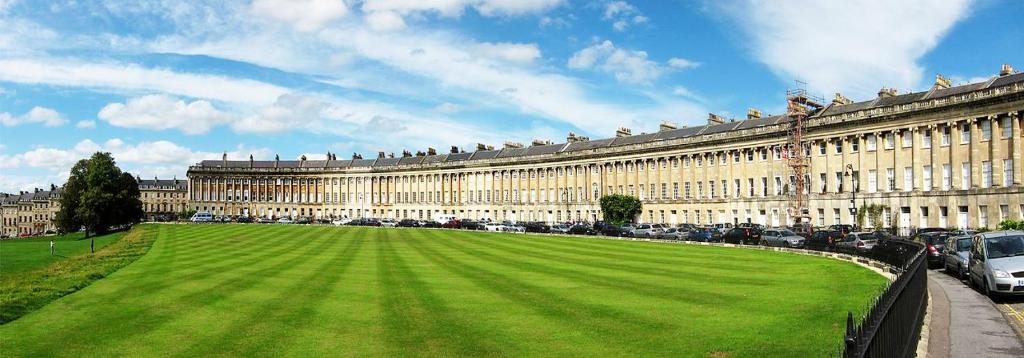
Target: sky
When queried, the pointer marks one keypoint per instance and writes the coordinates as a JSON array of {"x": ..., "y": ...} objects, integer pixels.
[{"x": 164, "y": 84}]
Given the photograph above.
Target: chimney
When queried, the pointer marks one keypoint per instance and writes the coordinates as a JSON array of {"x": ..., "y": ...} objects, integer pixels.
[
  {"x": 666, "y": 126},
  {"x": 623, "y": 132},
  {"x": 406, "y": 154},
  {"x": 886, "y": 92},
  {"x": 391, "y": 155},
  {"x": 941, "y": 82},
  {"x": 715, "y": 119},
  {"x": 454, "y": 150},
  {"x": 250, "y": 160},
  {"x": 356, "y": 156},
  {"x": 839, "y": 99},
  {"x": 537, "y": 142},
  {"x": 380, "y": 155},
  {"x": 1006, "y": 70},
  {"x": 277, "y": 159},
  {"x": 224, "y": 159},
  {"x": 420, "y": 153},
  {"x": 513, "y": 145},
  {"x": 571, "y": 138},
  {"x": 481, "y": 146},
  {"x": 753, "y": 113},
  {"x": 431, "y": 151}
]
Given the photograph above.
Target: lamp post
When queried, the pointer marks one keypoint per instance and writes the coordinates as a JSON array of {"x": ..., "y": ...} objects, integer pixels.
[{"x": 853, "y": 190}]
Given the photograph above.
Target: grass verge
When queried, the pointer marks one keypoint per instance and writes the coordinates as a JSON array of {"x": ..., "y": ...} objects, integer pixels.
[{"x": 38, "y": 284}]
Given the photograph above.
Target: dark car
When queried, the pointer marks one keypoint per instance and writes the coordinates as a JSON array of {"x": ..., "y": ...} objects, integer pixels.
[
  {"x": 742, "y": 236},
  {"x": 751, "y": 225},
  {"x": 451, "y": 224},
  {"x": 842, "y": 228},
  {"x": 408, "y": 223},
  {"x": 304, "y": 220},
  {"x": 580, "y": 229},
  {"x": 925, "y": 230},
  {"x": 824, "y": 240},
  {"x": 429, "y": 223},
  {"x": 935, "y": 242},
  {"x": 705, "y": 234},
  {"x": 243, "y": 220},
  {"x": 613, "y": 230},
  {"x": 537, "y": 227}
]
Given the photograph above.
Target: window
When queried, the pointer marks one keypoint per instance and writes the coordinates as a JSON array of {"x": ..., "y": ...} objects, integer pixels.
[
  {"x": 839, "y": 146},
  {"x": 764, "y": 186},
  {"x": 982, "y": 216},
  {"x": 1004, "y": 212},
  {"x": 871, "y": 142},
  {"x": 889, "y": 140},
  {"x": 965, "y": 175},
  {"x": 965, "y": 133},
  {"x": 778, "y": 185},
  {"x": 926, "y": 177},
  {"x": 872, "y": 181},
  {"x": 821, "y": 217},
  {"x": 946, "y": 177},
  {"x": 725, "y": 189},
  {"x": 711, "y": 189},
  {"x": 1007, "y": 172},
  {"x": 664, "y": 190},
  {"x": 700, "y": 190},
  {"x": 764, "y": 154},
  {"x": 686, "y": 189},
  {"x": 945, "y": 135},
  {"x": 750, "y": 187},
  {"x": 736, "y": 187},
  {"x": 943, "y": 216},
  {"x": 854, "y": 144},
  {"x": 924, "y": 217},
  {"x": 908, "y": 138},
  {"x": 926, "y": 138},
  {"x": 890, "y": 179},
  {"x": 986, "y": 129},
  {"x": 822, "y": 148},
  {"x": 675, "y": 191},
  {"x": 823, "y": 184},
  {"x": 908, "y": 178},
  {"x": 839, "y": 182},
  {"x": 986, "y": 174},
  {"x": 835, "y": 216},
  {"x": 1007, "y": 127},
  {"x": 776, "y": 153},
  {"x": 750, "y": 155}
]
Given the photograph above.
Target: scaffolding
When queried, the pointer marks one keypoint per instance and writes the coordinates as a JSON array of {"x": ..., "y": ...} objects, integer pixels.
[{"x": 796, "y": 152}]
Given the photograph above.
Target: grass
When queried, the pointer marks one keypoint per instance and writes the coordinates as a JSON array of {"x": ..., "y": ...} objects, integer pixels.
[
  {"x": 36, "y": 279},
  {"x": 315, "y": 290},
  {"x": 20, "y": 255}
]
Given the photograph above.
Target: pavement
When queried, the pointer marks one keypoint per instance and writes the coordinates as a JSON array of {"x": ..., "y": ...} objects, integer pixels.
[{"x": 966, "y": 323}]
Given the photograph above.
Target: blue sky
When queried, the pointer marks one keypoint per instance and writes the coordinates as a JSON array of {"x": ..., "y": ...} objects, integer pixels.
[{"x": 163, "y": 84}]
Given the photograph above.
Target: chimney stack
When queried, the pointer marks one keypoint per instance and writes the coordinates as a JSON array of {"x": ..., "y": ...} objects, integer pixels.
[
  {"x": 715, "y": 119},
  {"x": 839, "y": 99},
  {"x": 420, "y": 153},
  {"x": 886, "y": 92},
  {"x": 666, "y": 126},
  {"x": 513, "y": 145},
  {"x": 380, "y": 155},
  {"x": 431, "y": 151},
  {"x": 455, "y": 150},
  {"x": 571, "y": 138},
  {"x": 753, "y": 113},
  {"x": 1006, "y": 70},
  {"x": 942, "y": 82},
  {"x": 537, "y": 142},
  {"x": 406, "y": 153},
  {"x": 623, "y": 132},
  {"x": 481, "y": 146}
]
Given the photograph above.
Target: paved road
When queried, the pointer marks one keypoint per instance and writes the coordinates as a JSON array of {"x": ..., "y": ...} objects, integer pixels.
[{"x": 965, "y": 323}]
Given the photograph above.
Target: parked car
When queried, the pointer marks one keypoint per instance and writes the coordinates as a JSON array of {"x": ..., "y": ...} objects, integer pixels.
[
  {"x": 704, "y": 234},
  {"x": 514, "y": 228},
  {"x": 843, "y": 229},
  {"x": 304, "y": 220},
  {"x": 243, "y": 220},
  {"x": 963, "y": 232},
  {"x": 858, "y": 241},
  {"x": 930, "y": 229},
  {"x": 580, "y": 229},
  {"x": 934, "y": 241},
  {"x": 429, "y": 223},
  {"x": 613, "y": 230},
  {"x": 823, "y": 240},
  {"x": 560, "y": 229},
  {"x": 342, "y": 221},
  {"x": 686, "y": 227},
  {"x": 538, "y": 227},
  {"x": 389, "y": 223},
  {"x": 408, "y": 223},
  {"x": 996, "y": 263},
  {"x": 723, "y": 227},
  {"x": 201, "y": 217},
  {"x": 742, "y": 236},
  {"x": 752, "y": 225},
  {"x": 782, "y": 238},
  {"x": 264, "y": 220},
  {"x": 494, "y": 227},
  {"x": 451, "y": 224},
  {"x": 671, "y": 234},
  {"x": 644, "y": 230},
  {"x": 956, "y": 255},
  {"x": 285, "y": 221}
]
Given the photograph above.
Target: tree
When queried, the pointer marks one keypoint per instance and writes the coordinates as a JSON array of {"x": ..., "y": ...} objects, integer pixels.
[
  {"x": 98, "y": 196},
  {"x": 620, "y": 209}
]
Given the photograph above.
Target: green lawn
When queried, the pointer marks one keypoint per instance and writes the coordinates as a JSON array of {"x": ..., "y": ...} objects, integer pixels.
[
  {"x": 244, "y": 290},
  {"x": 20, "y": 255}
]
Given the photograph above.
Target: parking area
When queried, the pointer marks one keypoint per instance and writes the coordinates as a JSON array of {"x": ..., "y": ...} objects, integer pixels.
[{"x": 966, "y": 323}]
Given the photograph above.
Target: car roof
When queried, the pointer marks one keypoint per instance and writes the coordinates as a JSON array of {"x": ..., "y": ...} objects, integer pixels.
[{"x": 994, "y": 234}]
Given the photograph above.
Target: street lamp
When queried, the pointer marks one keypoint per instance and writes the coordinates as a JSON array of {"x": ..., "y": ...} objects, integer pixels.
[{"x": 853, "y": 190}]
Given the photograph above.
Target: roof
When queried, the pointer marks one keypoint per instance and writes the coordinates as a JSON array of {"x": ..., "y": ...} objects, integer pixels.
[
  {"x": 672, "y": 134},
  {"x": 176, "y": 184}
]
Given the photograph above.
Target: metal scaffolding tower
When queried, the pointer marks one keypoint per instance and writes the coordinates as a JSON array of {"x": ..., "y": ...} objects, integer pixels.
[{"x": 796, "y": 153}]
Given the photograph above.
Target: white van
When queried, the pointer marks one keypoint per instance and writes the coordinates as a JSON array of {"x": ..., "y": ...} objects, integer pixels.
[
  {"x": 202, "y": 217},
  {"x": 443, "y": 218}
]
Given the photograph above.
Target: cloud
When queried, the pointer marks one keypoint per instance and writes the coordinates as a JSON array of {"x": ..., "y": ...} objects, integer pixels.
[
  {"x": 304, "y": 15},
  {"x": 448, "y": 108},
  {"x": 455, "y": 8},
  {"x": 384, "y": 21},
  {"x": 832, "y": 48},
  {"x": 86, "y": 124},
  {"x": 6, "y": 5},
  {"x": 553, "y": 22},
  {"x": 289, "y": 111},
  {"x": 162, "y": 112},
  {"x": 511, "y": 52},
  {"x": 622, "y": 15},
  {"x": 628, "y": 66},
  {"x": 117, "y": 76},
  {"x": 46, "y": 116}
]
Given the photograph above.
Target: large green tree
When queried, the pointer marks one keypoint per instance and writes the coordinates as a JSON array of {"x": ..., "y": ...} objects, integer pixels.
[
  {"x": 620, "y": 209},
  {"x": 99, "y": 196}
]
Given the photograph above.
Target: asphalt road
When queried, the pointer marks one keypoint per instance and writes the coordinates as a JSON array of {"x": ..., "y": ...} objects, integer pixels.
[{"x": 966, "y": 323}]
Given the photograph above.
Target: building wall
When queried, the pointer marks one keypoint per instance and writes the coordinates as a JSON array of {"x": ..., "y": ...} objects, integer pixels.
[
  {"x": 726, "y": 177},
  {"x": 165, "y": 201}
]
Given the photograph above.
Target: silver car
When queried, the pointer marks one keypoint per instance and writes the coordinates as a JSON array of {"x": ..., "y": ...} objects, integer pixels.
[
  {"x": 860, "y": 241},
  {"x": 781, "y": 238},
  {"x": 672, "y": 234},
  {"x": 996, "y": 263},
  {"x": 644, "y": 230},
  {"x": 957, "y": 252}
]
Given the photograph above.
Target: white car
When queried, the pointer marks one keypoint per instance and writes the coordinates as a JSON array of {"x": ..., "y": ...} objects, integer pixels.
[
  {"x": 202, "y": 217},
  {"x": 285, "y": 221},
  {"x": 388, "y": 223},
  {"x": 514, "y": 228},
  {"x": 342, "y": 221},
  {"x": 494, "y": 227}
]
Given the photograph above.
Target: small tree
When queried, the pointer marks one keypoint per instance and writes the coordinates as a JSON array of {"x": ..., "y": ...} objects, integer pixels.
[
  {"x": 98, "y": 196},
  {"x": 620, "y": 209},
  {"x": 1011, "y": 225}
]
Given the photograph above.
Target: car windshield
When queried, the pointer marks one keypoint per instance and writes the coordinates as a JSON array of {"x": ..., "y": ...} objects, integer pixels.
[
  {"x": 786, "y": 233},
  {"x": 938, "y": 239},
  {"x": 963, "y": 244},
  {"x": 1005, "y": 246}
]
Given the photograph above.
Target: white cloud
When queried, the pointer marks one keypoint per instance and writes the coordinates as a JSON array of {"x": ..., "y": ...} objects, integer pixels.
[
  {"x": 6, "y": 5},
  {"x": 290, "y": 111},
  {"x": 623, "y": 15},
  {"x": 628, "y": 66},
  {"x": 554, "y": 22},
  {"x": 833, "y": 48},
  {"x": 614, "y": 9},
  {"x": 86, "y": 124},
  {"x": 511, "y": 52},
  {"x": 46, "y": 116},
  {"x": 304, "y": 15},
  {"x": 68, "y": 72},
  {"x": 162, "y": 112},
  {"x": 455, "y": 8},
  {"x": 448, "y": 108},
  {"x": 384, "y": 21},
  {"x": 682, "y": 63}
]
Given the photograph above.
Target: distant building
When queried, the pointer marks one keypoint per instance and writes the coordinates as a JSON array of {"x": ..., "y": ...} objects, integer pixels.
[
  {"x": 163, "y": 199},
  {"x": 29, "y": 212}
]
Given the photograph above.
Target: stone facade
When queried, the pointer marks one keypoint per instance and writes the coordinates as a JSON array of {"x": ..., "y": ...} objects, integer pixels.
[
  {"x": 29, "y": 212},
  {"x": 162, "y": 197},
  {"x": 949, "y": 156}
]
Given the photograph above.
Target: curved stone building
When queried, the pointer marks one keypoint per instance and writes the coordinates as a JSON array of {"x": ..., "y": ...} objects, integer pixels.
[{"x": 949, "y": 156}]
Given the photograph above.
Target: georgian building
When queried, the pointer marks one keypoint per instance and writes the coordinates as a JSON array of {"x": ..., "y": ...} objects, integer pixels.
[
  {"x": 31, "y": 212},
  {"x": 163, "y": 198},
  {"x": 948, "y": 156}
]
